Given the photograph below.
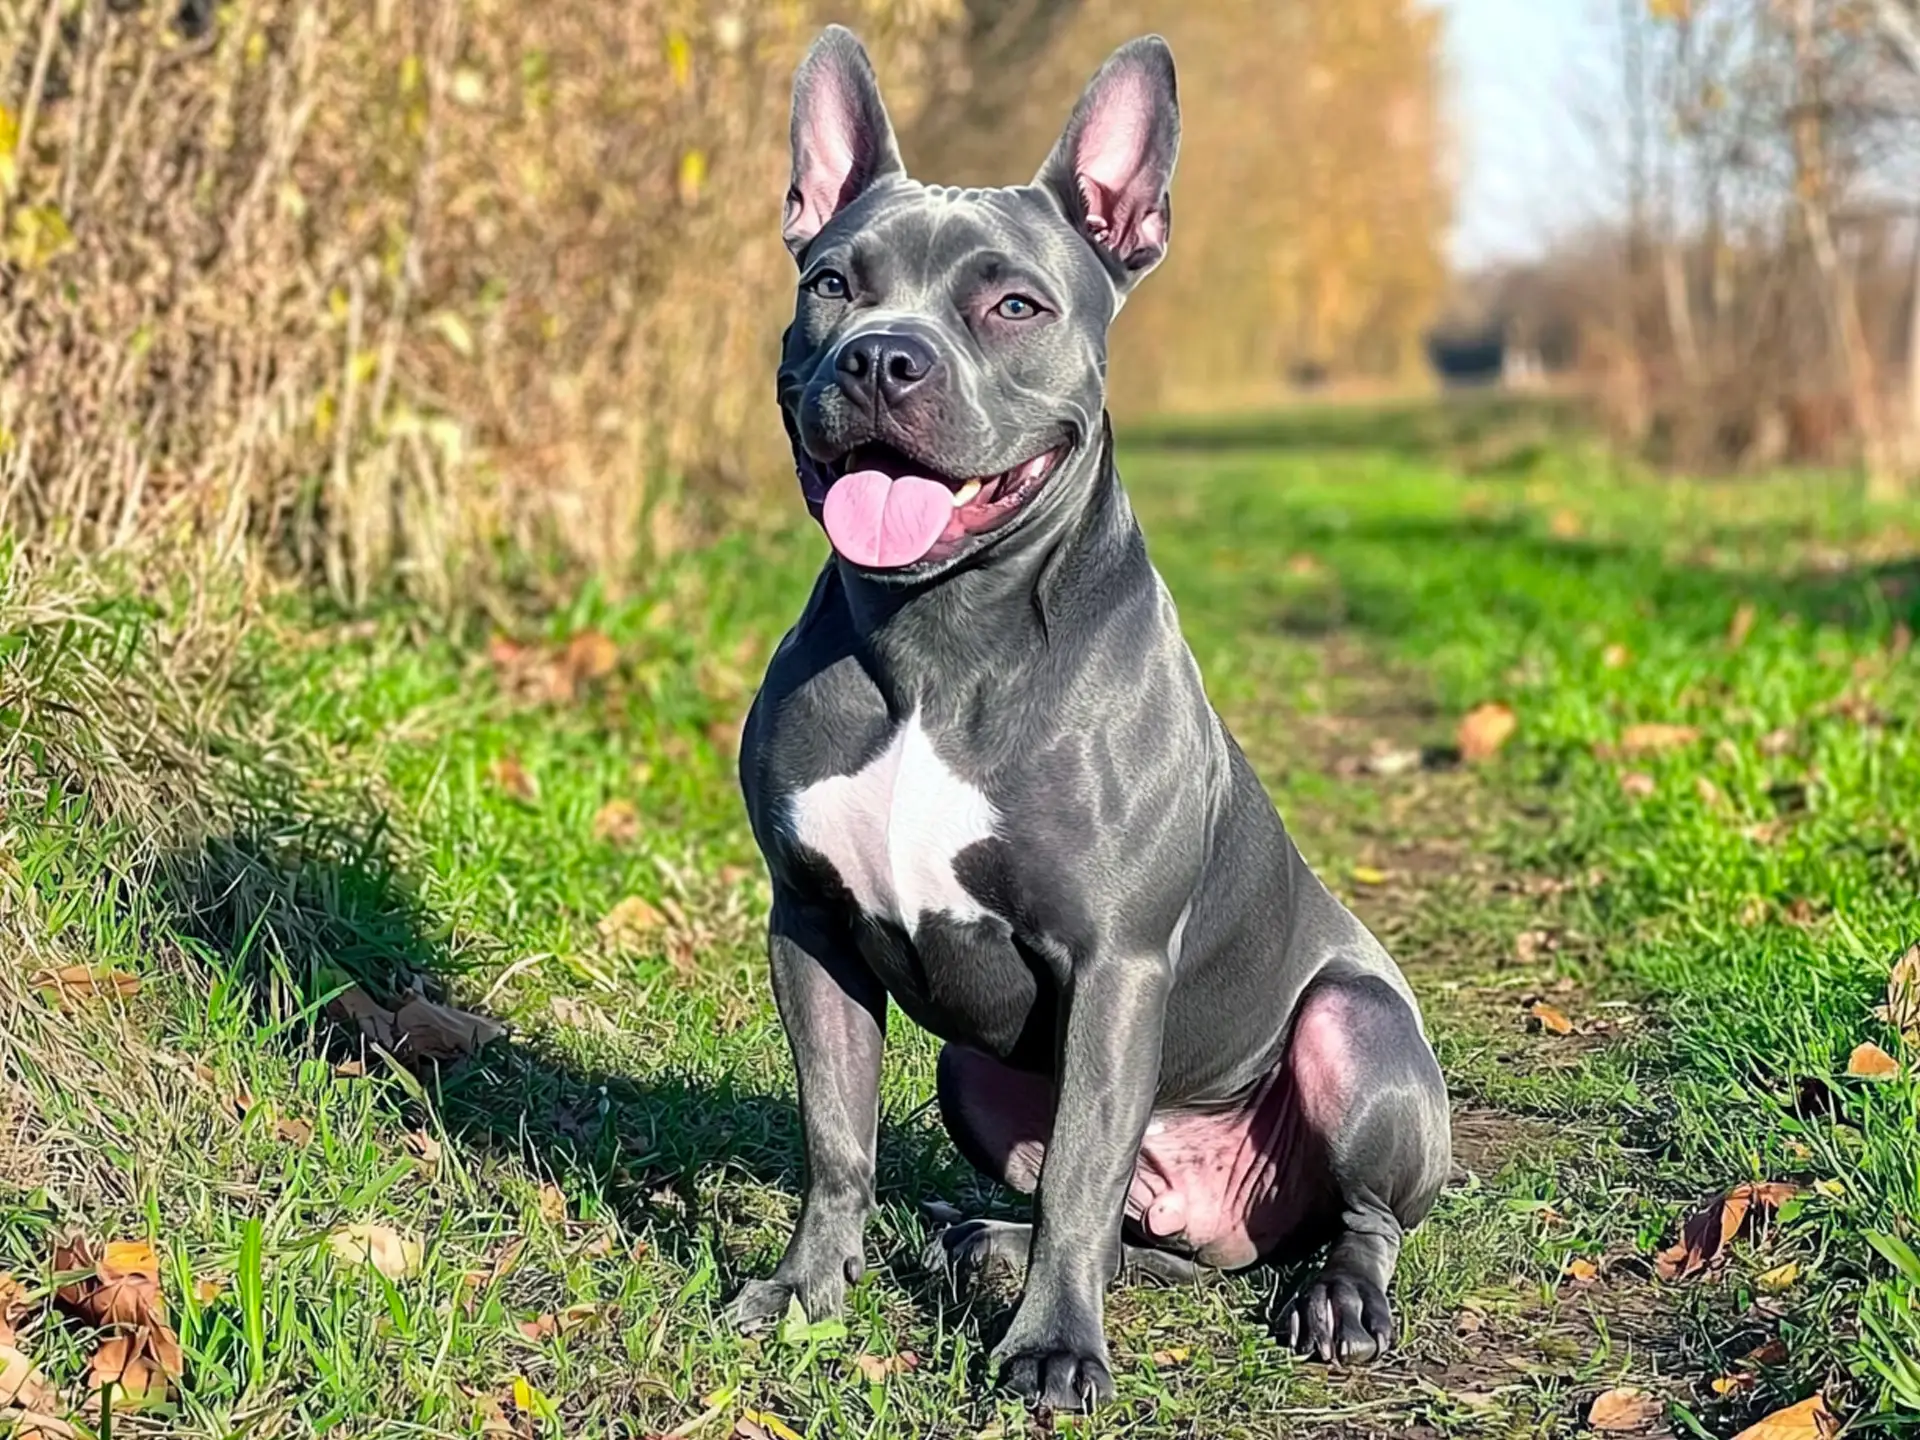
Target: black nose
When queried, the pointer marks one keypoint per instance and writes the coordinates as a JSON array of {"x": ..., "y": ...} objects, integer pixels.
[{"x": 882, "y": 367}]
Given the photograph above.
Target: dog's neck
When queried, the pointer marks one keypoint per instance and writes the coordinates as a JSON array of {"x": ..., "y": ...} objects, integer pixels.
[{"x": 987, "y": 615}]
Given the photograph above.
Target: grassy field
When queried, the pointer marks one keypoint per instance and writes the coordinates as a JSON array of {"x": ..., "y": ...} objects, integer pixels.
[{"x": 545, "y": 829}]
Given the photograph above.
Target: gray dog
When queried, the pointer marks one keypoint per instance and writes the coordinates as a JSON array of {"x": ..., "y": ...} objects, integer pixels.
[{"x": 988, "y": 783}]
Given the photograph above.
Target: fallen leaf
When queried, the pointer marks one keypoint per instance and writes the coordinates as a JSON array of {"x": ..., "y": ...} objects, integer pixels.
[
  {"x": 876, "y": 1368},
  {"x": 1741, "y": 626},
  {"x": 135, "y": 1373},
  {"x": 1736, "y": 1384},
  {"x": 1369, "y": 875},
  {"x": 13, "y": 1307},
  {"x": 617, "y": 822},
  {"x": 1901, "y": 1009},
  {"x": 1643, "y": 739},
  {"x": 393, "y": 1254},
  {"x": 422, "y": 1146},
  {"x": 1581, "y": 1270},
  {"x": 628, "y": 924},
  {"x": 209, "y": 1288},
  {"x": 1625, "y": 1409},
  {"x": 1531, "y": 945},
  {"x": 1769, "y": 1352},
  {"x": 1565, "y": 524},
  {"x": 1485, "y": 729},
  {"x": 1469, "y": 1322},
  {"x": 1173, "y": 1355},
  {"x": 1638, "y": 784},
  {"x": 354, "y": 1009},
  {"x": 771, "y": 1424},
  {"x": 293, "y": 1132},
  {"x": 560, "y": 1322},
  {"x": 1708, "y": 1230},
  {"x": 23, "y": 1386},
  {"x": 350, "y": 1070},
  {"x": 1809, "y": 1420},
  {"x": 1869, "y": 1062},
  {"x": 72, "y": 985},
  {"x": 553, "y": 1204},
  {"x": 591, "y": 656},
  {"x": 512, "y": 779},
  {"x": 424, "y": 1029},
  {"x": 1801, "y": 912},
  {"x": 1780, "y": 1278},
  {"x": 1615, "y": 656},
  {"x": 1550, "y": 1019}
]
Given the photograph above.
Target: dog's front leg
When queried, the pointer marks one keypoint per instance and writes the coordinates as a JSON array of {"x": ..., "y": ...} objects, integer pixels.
[
  {"x": 1055, "y": 1353},
  {"x": 835, "y": 1014}
]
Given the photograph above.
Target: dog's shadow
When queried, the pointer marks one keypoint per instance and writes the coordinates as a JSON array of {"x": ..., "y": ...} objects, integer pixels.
[{"x": 293, "y": 907}]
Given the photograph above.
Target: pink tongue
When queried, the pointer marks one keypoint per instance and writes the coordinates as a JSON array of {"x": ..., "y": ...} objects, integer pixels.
[{"x": 883, "y": 523}]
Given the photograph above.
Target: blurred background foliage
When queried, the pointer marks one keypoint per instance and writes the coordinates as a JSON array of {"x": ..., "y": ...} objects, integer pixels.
[{"x": 419, "y": 294}]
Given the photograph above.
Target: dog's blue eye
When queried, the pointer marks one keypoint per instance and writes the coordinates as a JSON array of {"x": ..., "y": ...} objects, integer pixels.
[
  {"x": 829, "y": 285},
  {"x": 1016, "y": 307}
]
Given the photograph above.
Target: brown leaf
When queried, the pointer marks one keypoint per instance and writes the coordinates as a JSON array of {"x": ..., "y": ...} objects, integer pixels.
[
  {"x": 1615, "y": 656},
  {"x": 125, "y": 1364},
  {"x": 1708, "y": 1230},
  {"x": 424, "y": 1029},
  {"x": 1565, "y": 524},
  {"x": 23, "y": 1386},
  {"x": 393, "y": 1254},
  {"x": 553, "y": 1204},
  {"x": 1735, "y": 1384},
  {"x": 1901, "y": 1009},
  {"x": 561, "y": 1322},
  {"x": 512, "y": 779},
  {"x": 590, "y": 656},
  {"x": 1770, "y": 1352},
  {"x": 209, "y": 1288},
  {"x": 628, "y": 924},
  {"x": 13, "y": 1307},
  {"x": 876, "y": 1368},
  {"x": 1582, "y": 1271},
  {"x": 354, "y": 1009},
  {"x": 1643, "y": 739},
  {"x": 617, "y": 822},
  {"x": 1638, "y": 784},
  {"x": 1484, "y": 729},
  {"x": 1741, "y": 626},
  {"x": 1869, "y": 1062},
  {"x": 75, "y": 985},
  {"x": 1809, "y": 1420},
  {"x": 1550, "y": 1019},
  {"x": 1626, "y": 1409},
  {"x": 422, "y": 1146},
  {"x": 293, "y": 1132}
]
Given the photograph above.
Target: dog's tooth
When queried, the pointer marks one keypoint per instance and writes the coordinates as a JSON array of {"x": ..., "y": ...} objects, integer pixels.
[{"x": 965, "y": 493}]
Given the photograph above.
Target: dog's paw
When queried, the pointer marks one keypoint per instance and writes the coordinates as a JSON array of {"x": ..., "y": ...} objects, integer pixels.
[
  {"x": 1069, "y": 1378},
  {"x": 972, "y": 1248},
  {"x": 1055, "y": 1365},
  {"x": 1339, "y": 1317},
  {"x": 762, "y": 1304}
]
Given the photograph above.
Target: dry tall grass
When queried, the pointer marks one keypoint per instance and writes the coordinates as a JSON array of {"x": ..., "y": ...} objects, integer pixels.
[
  {"x": 432, "y": 291},
  {"x": 396, "y": 286}
]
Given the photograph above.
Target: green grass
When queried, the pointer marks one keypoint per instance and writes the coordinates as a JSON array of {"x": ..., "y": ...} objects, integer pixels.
[{"x": 1338, "y": 593}]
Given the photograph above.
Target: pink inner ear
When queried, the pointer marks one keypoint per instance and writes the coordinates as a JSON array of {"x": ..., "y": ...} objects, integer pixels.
[
  {"x": 828, "y": 157},
  {"x": 1110, "y": 165}
]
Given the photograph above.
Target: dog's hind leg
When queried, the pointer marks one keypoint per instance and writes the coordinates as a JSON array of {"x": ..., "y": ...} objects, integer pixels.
[
  {"x": 1374, "y": 1107},
  {"x": 999, "y": 1119}
]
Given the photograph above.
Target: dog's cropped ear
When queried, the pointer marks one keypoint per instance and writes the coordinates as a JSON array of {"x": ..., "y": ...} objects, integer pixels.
[
  {"x": 1112, "y": 166},
  {"x": 842, "y": 139}
]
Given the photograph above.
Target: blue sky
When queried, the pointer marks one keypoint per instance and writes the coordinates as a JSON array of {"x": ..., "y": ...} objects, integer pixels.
[{"x": 1527, "y": 80}]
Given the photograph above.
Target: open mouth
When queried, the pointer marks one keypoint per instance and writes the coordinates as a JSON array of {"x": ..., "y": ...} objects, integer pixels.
[{"x": 884, "y": 510}]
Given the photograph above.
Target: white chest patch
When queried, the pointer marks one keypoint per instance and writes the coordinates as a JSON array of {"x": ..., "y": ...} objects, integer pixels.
[{"x": 892, "y": 829}]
